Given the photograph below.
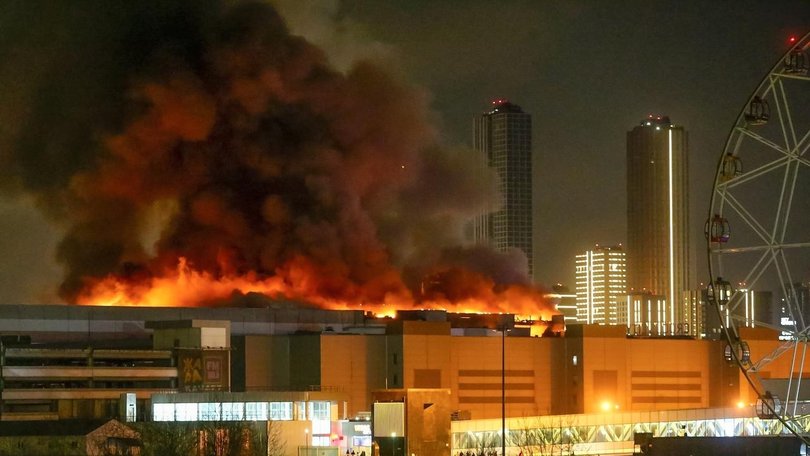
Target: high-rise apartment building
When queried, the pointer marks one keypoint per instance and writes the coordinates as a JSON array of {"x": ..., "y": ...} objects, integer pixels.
[
  {"x": 601, "y": 286},
  {"x": 748, "y": 308},
  {"x": 503, "y": 137},
  {"x": 658, "y": 212},
  {"x": 649, "y": 315}
]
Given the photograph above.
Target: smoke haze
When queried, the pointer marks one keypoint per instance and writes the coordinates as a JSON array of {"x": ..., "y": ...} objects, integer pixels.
[{"x": 203, "y": 137}]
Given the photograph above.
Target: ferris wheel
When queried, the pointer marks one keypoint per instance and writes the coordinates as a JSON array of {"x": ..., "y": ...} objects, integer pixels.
[{"x": 758, "y": 239}]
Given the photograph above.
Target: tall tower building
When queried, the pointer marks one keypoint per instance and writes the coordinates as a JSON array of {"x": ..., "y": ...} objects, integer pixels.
[
  {"x": 658, "y": 211},
  {"x": 601, "y": 286},
  {"x": 503, "y": 137}
]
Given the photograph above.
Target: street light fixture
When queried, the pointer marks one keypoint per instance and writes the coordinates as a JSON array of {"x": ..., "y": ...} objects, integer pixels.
[{"x": 393, "y": 440}]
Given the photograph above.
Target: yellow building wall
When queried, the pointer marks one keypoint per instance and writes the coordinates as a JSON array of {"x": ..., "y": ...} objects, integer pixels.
[
  {"x": 621, "y": 374},
  {"x": 266, "y": 362},
  {"x": 425, "y": 360},
  {"x": 353, "y": 364},
  {"x": 471, "y": 368},
  {"x": 635, "y": 374}
]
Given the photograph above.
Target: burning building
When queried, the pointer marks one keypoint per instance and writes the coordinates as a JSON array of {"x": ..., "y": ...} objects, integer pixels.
[{"x": 224, "y": 156}]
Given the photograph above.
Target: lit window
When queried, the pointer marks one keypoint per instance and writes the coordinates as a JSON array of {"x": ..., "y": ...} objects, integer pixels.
[
  {"x": 233, "y": 411},
  {"x": 163, "y": 412},
  {"x": 321, "y": 427},
  {"x": 574, "y": 360},
  {"x": 319, "y": 410},
  {"x": 256, "y": 411},
  {"x": 361, "y": 441},
  {"x": 209, "y": 411},
  {"x": 281, "y": 411},
  {"x": 185, "y": 412},
  {"x": 320, "y": 440}
]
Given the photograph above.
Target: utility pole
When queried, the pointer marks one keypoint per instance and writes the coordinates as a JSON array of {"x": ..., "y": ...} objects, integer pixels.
[{"x": 503, "y": 389}]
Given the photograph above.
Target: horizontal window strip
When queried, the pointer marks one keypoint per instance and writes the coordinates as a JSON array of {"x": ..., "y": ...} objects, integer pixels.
[
  {"x": 666, "y": 386},
  {"x": 667, "y": 400},
  {"x": 497, "y": 386},
  {"x": 495, "y": 373},
  {"x": 495, "y": 393},
  {"x": 494, "y": 400},
  {"x": 665, "y": 374},
  {"x": 666, "y": 380}
]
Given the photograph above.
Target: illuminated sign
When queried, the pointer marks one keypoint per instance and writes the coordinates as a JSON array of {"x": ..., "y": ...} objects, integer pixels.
[{"x": 364, "y": 429}]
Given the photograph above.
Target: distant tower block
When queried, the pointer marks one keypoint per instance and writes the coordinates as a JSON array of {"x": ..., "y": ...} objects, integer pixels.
[
  {"x": 658, "y": 211},
  {"x": 601, "y": 286},
  {"x": 503, "y": 137}
]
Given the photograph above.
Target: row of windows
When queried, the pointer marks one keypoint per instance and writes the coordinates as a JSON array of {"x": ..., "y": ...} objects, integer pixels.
[
  {"x": 513, "y": 164},
  {"x": 239, "y": 411},
  {"x": 512, "y": 127},
  {"x": 516, "y": 136},
  {"x": 512, "y": 234}
]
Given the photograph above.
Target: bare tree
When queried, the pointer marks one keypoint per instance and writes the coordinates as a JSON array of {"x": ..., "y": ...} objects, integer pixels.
[
  {"x": 240, "y": 438},
  {"x": 168, "y": 438},
  {"x": 275, "y": 444},
  {"x": 485, "y": 443},
  {"x": 536, "y": 439},
  {"x": 211, "y": 438}
]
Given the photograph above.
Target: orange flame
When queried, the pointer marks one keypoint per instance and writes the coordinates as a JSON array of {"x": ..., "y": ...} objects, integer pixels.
[{"x": 185, "y": 286}]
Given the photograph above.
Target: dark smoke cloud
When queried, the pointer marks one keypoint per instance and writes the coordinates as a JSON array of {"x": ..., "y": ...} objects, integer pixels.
[{"x": 236, "y": 144}]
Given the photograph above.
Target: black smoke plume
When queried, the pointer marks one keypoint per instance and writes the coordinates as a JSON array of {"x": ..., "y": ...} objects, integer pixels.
[{"x": 204, "y": 130}]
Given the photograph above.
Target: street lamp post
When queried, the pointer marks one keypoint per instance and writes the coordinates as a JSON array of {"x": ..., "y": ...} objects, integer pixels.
[
  {"x": 503, "y": 389},
  {"x": 306, "y": 437},
  {"x": 393, "y": 442}
]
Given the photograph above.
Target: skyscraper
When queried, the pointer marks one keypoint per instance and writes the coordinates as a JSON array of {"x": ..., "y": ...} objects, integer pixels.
[
  {"x": 503, "y": 136},
  {"x": 658, "y": 211},
  {"x": 601, "y": 286}
]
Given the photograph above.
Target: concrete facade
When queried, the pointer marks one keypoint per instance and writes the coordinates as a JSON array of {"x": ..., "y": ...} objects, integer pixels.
[{"x": 589, "y": 369}]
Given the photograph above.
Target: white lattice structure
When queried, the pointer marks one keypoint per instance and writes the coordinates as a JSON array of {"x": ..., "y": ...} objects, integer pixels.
[{"x": 607, "y": 433}]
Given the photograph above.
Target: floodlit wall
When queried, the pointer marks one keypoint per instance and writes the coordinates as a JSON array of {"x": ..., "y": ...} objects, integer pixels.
[
  {"x": 354, "y": 364},
  {"x": 470, "y": 366},
  {"x": 281, "y": 362},
  {"x": 265, "y": 360},
  {"x": 592, "y": 369},
  {"x": 475, "y": 375},
  {"x": 621, "y": 373}
]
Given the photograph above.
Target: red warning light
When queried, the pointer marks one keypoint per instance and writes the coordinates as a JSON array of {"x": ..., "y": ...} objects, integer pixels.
[{"x": 792, "y": 39}]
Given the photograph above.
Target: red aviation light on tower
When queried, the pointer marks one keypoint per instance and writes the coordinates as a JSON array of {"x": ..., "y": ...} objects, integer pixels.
[{"x": 792, "y": 40}]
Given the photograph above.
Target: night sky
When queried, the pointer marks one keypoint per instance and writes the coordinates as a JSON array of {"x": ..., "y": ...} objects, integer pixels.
[{"x": 587, "y": 71}]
